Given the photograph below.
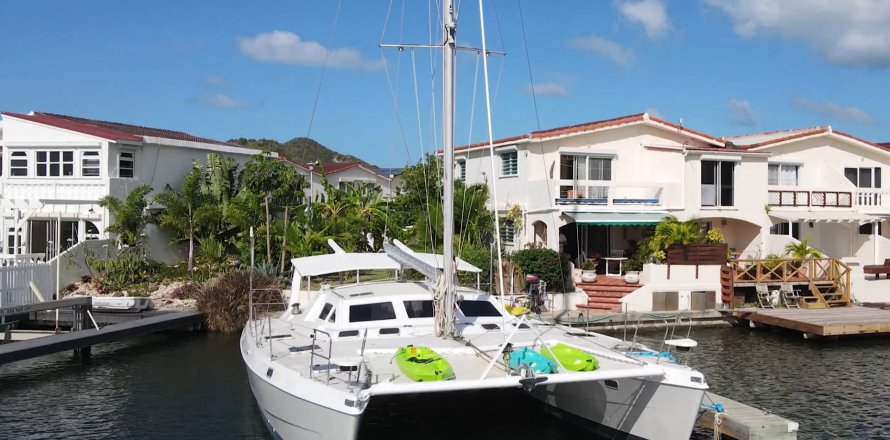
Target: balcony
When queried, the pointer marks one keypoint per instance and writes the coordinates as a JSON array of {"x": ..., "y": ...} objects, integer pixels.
[
  {"x": 873, "y": 200},
  {"x": 608, "y": 194},
  {"x": 45, "y": 189},
  {"x": 820, "y": 199}
]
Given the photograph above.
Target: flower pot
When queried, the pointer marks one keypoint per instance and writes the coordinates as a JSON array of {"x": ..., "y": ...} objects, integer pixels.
[
  {"x": 576, "y": 276},
  {"x": 588, "y": 276},
  {"x": 632, "y": 277}
]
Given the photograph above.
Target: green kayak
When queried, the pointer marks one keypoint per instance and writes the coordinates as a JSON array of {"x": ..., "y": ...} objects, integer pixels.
[
  {"x": 571, "y": 358},
  {"x": 422, "y": 364}
]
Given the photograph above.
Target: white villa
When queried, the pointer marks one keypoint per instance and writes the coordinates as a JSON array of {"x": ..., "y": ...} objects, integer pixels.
[
  {"x": 343, "y": 175},
  {"x": 56, "y": 166},
  {"x": 591, "y": 189}
]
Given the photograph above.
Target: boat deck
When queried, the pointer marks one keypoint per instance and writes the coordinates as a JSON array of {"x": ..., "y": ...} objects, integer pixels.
[{"x": 839, "y": 321}]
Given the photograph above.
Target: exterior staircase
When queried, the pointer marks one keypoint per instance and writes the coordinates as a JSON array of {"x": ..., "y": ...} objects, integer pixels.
[{"x": 604, "y": 295}]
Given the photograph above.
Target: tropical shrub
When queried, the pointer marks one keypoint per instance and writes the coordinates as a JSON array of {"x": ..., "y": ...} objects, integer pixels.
[
  {"x": 547, "y": 264},
  {"x": 224, "y": 299},
  {"x": 480, "y": 258},
  {"x": 802, "y": 250}
]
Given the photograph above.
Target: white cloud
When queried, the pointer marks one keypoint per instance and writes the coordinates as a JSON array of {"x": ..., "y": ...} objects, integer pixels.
[
  {"x": 830, "y": 109},
  {"x": 621, "y": 55},
  {"x": 214, "y": 81},
  {"x": 654, "y": 113},
  {"x": 221, "y": 101},
  {"x": 652, "y": 14},
  {"x": 848, "y": 32},
  {"x": 550, "y": 88},
  {"x": 741, "y": 113},
  {"x": 288, "y": 48}
]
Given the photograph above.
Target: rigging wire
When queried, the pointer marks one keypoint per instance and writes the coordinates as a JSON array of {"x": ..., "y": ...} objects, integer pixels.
[
  {"x": 324, "y": 68},
  {"x": 547, "y": 176},
  {"x": 497, "y": 223}
]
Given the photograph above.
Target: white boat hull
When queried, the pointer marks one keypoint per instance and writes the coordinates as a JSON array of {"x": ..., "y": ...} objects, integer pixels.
[
  {"x": 292, "y": 418},
  {"x": 639, "y": 408}
]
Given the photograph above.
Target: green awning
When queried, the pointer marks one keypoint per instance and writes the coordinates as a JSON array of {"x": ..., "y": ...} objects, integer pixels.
[{"x": 617, "y": 218}]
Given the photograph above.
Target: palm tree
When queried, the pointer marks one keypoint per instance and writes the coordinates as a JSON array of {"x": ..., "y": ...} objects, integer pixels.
[
  {"x": 802, "y": 250},
  {"x": 188, "y": 211},
  {"x": 670, "y": 231},
  {"x": 128, "y": 218}
]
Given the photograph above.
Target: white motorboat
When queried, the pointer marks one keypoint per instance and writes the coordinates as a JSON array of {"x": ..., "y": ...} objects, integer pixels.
[{"x": 315, "y": 368}]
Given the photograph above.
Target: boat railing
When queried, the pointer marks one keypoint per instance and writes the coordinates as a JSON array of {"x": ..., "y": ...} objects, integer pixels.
[
  {"x": 267, "y": 310},
  {"x": 672, "y": 323},
  {"x": 315, "y": 353}
]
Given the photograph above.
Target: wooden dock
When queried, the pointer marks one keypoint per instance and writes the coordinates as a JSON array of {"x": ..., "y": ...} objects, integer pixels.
[
  {"x": 83, "y": 334},
  {"x": 839, "y": 321},
  {"x": 744, "y": 422}
]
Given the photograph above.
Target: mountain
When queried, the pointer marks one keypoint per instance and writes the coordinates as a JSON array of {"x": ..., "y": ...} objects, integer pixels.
[{"x": 301, "y": 149}]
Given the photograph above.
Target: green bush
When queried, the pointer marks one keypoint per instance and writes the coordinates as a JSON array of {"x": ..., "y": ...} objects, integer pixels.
[
  {"x": 480, "y": 258},
  {"x": 547, "y": 264}
]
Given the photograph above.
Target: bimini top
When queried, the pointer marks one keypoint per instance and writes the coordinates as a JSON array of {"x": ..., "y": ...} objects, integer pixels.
[{"x": 348, "y": 262}]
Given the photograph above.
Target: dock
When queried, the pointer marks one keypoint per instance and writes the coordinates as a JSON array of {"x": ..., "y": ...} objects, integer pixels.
[
  {"x": 84, "y": 334},
  {"x": 745, "y": 422},
  {"x": 833, "y": 322}
]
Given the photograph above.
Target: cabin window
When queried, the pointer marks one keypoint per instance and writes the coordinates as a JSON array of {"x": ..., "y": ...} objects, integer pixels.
[
  {"x": 509, "y": 163},
  {"x": 55, "y": 163},
  {"x": 89, "y": 164},
  {"x": 371, "y": 312},
  {"x": 325, "y": 311},
  {"x": 419, "y": 309},
  {"x": 18, "y": 163},
  {"x": 472, "y": 309},
  {"x": 126, "y": 165}
]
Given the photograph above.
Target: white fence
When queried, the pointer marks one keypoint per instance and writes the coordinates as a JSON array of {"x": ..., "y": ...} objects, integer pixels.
[{"x": 15, "y": 288}]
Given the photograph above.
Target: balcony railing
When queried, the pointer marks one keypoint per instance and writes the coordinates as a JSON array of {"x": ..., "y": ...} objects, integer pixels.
[
  {"x": 824, "y": 199},
  {"x": 873, "y": 199},
  {"x": 578, "y": 193}
]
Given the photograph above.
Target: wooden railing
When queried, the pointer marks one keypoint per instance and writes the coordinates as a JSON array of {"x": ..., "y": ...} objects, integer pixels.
[
  {"x": 826, "y": 199},
  {"x": 828, "y": 279}
]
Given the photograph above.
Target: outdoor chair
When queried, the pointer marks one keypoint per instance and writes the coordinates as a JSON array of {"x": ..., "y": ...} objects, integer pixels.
[
  {"x": 790, "y": 297},
  {"x": 765, "y": 297}
]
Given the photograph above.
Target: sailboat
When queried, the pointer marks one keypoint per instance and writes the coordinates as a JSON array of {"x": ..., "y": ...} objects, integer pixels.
[{"x": 315, "y": 368}]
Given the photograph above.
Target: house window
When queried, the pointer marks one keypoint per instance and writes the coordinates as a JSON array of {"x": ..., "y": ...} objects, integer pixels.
[
  {"x": 55, "y": 163},
  {"x": 89, "y": 164},
  {"x": 462, "y": 170},
  {"x": 508, "y": 231},
  {"x": 783, "y": 228},
  {"x": 580, "y": 167},
  {"x": 868, "y": 229},
  {"x": 18, "y": 163},
  {"x": 783, "y": 174},
  {"x": 126, "y": 165},
  {"x": 864, "y": 177},
  {"x": 717, "y": 183},
  {"x": 509, "y": 163}
]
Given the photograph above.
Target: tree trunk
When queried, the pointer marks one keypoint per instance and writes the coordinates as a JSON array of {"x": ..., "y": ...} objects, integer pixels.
[
  {"x": 268, "y": 233},
  {"x": 284, "y": 239}
]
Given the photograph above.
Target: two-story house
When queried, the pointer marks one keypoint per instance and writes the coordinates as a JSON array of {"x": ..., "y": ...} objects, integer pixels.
[
  {"x": 58, "y": 167},
  {"x": 592, "y": 189},
  {"x": 344, "y": 175}
]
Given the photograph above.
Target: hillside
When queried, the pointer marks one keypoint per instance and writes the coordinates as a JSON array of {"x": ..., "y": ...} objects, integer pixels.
[{"x": 299, "y": 149}]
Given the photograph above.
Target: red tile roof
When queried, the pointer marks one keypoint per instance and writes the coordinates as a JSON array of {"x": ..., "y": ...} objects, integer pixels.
[
  {"x": 814, "y": 132},
  {"x": 110, "y": 130},
  {"x": 328, "y": 168},
  {"x": 588, "y": 126}
]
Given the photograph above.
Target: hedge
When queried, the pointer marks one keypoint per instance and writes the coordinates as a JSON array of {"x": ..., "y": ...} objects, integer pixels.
[{"x": 547, "y": 264}]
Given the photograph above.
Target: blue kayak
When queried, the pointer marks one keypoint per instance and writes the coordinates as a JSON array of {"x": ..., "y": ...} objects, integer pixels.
[{"x": 536, "y": 361}]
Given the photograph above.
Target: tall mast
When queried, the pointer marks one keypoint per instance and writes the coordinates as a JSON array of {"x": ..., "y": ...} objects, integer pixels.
[{"x": 448, "y": 51}]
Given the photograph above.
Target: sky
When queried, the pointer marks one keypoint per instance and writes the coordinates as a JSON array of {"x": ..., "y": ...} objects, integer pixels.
[{"x": 281, "y": 69}]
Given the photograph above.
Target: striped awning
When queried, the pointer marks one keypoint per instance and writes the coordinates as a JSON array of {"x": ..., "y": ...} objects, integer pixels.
[{"x": 617, "y": 218}]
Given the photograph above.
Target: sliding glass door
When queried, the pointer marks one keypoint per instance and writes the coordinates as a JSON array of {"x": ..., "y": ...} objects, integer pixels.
[{"x": 717, "y": 183}]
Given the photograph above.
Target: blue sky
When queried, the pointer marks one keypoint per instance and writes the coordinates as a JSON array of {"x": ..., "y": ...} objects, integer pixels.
[{"x": 228, "y": 69}]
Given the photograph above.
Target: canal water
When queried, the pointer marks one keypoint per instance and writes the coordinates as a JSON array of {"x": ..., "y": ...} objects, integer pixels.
[{"x": 192, "y": 386}]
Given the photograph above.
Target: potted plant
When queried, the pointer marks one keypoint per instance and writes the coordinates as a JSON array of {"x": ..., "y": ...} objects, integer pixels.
[
  {"x": 632, "y": 272},
  {"x": 801, "y": 251},
  {"x": 588, "y": 271}
]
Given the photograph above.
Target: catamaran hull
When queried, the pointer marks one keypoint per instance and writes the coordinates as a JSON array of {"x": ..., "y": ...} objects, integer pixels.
[
  {"x": 292, "y": 418},
  {"x": 636, "y": 408}
]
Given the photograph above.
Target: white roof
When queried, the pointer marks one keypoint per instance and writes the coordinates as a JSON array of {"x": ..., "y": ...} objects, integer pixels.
[
  {"x": 824, "y": 216},
  {"x": 347, "y": 262},
  {"x": 756, "y": 138}
]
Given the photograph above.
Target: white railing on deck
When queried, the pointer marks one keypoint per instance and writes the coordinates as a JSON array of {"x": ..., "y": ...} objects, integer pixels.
[
  {"x": 571, "y": 192},
  {"x": 42, "y": 189},
  {"x": 873, "y": 199}
]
